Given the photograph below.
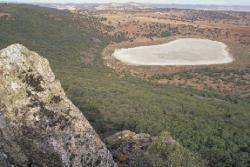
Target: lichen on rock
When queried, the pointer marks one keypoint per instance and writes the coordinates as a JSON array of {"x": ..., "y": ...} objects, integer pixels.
[
  {"x": 142, "y": 150},
  {"x": 128, "y": 147},
  {"x": 39, "y": 125}
]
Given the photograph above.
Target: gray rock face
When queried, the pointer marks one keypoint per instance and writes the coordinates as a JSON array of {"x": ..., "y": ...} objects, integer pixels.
[
  {"x": 39, "y": 125},
  {"x": 128, "y": 148}
]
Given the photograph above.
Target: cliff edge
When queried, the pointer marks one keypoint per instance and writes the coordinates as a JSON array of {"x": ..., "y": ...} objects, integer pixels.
[{"x": 39, "y": 125}]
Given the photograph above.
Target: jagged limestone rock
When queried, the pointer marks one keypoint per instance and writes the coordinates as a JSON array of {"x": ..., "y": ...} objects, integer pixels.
[{"x": 39, "y": 125}]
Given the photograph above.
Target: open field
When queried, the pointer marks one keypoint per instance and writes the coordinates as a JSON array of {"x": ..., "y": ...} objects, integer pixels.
[
  {"x": 151, "y": 23},
  {"x": 151, "y": 27}
]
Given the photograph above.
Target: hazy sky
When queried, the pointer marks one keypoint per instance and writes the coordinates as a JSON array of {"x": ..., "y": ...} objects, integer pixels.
[{"x": 220, "y": 2}]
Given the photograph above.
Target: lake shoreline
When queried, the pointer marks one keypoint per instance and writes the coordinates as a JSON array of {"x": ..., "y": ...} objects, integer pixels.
[
  {"x": 179, "y": 52},
  {"x": 147, "y": 70}
]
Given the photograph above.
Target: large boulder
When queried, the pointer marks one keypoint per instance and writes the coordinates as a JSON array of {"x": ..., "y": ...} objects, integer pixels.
[
  {"x": 39, "y": 125},
  {"x": 142, "y": 150},
  {"x": 128, "y": 148}
]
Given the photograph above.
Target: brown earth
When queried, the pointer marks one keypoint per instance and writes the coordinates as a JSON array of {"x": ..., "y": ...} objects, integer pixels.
[{"x": 145, "y": 27}]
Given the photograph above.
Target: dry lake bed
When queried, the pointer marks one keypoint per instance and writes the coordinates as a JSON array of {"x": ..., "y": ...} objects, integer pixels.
[{"x": 186, "y": 51}]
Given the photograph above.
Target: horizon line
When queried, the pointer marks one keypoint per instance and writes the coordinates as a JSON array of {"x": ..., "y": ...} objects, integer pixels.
[{"x": 212, "y": 4}]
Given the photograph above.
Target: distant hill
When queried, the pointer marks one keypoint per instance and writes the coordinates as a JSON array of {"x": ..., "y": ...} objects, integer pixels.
[
  {"x": 200, "y": 7},
  {"x": 94, "y": 6},
  {"x": 70, "y": 6},
  {"x": 134, "y": 5}
]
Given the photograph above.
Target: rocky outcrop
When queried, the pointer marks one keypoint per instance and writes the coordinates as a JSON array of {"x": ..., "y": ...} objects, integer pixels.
[
  {"x": 128, "y": 148},
  {"x": 142, "y": 150},
  {"x": 39, "y": 125}
]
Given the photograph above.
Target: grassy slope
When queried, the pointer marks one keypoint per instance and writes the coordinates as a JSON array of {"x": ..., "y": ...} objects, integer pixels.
[{"x": 217, "y": 130}]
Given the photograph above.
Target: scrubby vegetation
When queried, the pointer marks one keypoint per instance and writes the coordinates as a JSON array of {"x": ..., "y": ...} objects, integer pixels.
[
  {"x": 229, "y": 81},
  {"x": 165, "y": 34},
  {"x": 209, "y": 126},
  {"x": 164, "y": 151}
]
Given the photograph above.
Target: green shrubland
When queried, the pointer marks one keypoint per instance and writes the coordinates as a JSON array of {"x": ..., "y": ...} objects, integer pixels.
[{"x": 165, "y": 34}]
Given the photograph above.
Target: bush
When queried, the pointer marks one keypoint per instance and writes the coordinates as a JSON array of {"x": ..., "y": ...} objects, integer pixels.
[{"x": 165, "y": 34}]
